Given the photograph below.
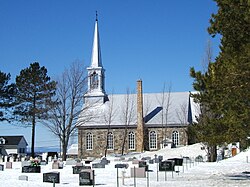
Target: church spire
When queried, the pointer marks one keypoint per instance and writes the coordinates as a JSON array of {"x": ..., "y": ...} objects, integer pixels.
[
  {"x": 96, "y": 72},
  {"x": 96, "y": 60}
]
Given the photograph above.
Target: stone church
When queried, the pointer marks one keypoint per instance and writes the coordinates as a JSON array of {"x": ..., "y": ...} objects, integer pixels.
[{"x": 123, "y": 123}]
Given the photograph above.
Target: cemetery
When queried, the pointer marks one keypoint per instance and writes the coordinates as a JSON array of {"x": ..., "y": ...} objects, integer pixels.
[{"x": 147, "y": 169}]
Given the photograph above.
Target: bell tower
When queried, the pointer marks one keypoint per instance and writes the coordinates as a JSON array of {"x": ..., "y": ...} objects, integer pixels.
[{"x": 96, "y": 73}]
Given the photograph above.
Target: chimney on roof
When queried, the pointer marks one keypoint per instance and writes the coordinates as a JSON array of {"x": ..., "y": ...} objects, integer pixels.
[{"x": 140, "y": 122}]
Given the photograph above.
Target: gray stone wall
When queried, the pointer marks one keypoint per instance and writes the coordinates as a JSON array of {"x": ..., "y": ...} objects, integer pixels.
[{"x": 99, "y": 140}]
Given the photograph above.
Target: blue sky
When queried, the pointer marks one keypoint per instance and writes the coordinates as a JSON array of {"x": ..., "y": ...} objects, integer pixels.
[{"x": 156, "y": 41}]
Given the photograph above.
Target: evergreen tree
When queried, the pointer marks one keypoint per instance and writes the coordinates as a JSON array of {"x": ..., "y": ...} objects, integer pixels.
[
  {"x": 6, "y": 96},
  {"x": 224, "y": 90},
  {"x": 34, "y": 93}
]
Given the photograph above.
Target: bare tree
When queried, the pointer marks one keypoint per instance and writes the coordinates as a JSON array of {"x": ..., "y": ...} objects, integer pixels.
[
  {"x": 128, "y": 115},
  {"x": 207, "y": 56},
  {"x": 64, "y": 115},
  {"x": 182, "y": 114},
  {"x": 165, "y": 102},
  {"x": 108, "y": 117}
]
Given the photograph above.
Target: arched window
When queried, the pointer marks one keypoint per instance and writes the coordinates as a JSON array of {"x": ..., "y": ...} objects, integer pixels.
[
  {"x": 110, "y": 140},
  {"x": 131, "y": 140},
  {"x": 175, "y": 138},
  {"x": 89, "y": 141},
  {"x": 152, "y": 140}
]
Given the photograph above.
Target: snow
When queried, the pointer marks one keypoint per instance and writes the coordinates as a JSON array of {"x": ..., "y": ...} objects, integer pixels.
[{"x": 233, "y": 171}]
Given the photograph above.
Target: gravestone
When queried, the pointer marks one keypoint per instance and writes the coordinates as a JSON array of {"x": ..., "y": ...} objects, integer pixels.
[
  {"x": 151, "y": 161},
  {"x": 1, "y": 167},
  {"x": 177, "y": 161},
  {"x": 51, "y": 177},
  {"x": 146, "y": 158},
  {"x": 105, "y": 161},
  {"x": 138, "y": 172},
  {"x": 70, "y": 162},
  {"x": 78, "y": 169},
  {"x": 31, "y": 169},
  {"x": 88, "y": 161},
  {"x": 8, "y": 165},
  {"x": 43, "y": 163},
  {"x": 166, "y": 165},
  {"x": 86, "y": 178},
  {"x": 55, "y": 165},
  {"x": 160, "y": 158},
  {"x": 121, "y": 166},
  {"x": 26, "y": 163},
  {"x": 79, "y": 164},
  {"x": 143, "y": 164},
  {"x": 23, "y": 178},
  {"x": 135, "y": 161},
  {"x": 98, "y": 165},
  {"x": 60, "y": 165}
]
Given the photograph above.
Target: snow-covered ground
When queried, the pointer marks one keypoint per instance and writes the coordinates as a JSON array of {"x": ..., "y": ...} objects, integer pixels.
[{"x": 230, "y": 172}]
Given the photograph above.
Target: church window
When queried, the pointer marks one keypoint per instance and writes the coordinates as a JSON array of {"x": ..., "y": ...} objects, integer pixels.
[
  {"x": 110, "y": 140},
  {"x": 89, "y": 141},
  {"x": 94, "y": 80},
  {"x": 175, "y": 138},
  {"x": 131, "y": 140},
  {"x": 152, "y": 140}
]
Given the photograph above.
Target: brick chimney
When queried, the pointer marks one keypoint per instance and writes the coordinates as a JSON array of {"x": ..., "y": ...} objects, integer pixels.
[{"x": 140, "y": 122}]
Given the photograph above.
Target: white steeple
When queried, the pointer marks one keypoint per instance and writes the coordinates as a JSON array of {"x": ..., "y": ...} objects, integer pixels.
[
  {"x": 96, "y": 60},
  {"x": 96, "y": 91}
]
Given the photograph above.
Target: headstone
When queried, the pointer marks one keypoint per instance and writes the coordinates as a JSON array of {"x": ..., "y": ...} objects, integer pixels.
[
  {"x": 88, "y": 161},
  {"x": 138, "y": 172},
  {"x": 26, "y": 163},
  {"x": 55, "y": 165},
  {"x": 122, "y": 158},
  {"x": 79, "y": 164},
  {"x": 1, "y": 167},
  {"x": 121, "y": 166},
  {"x": 151, "y": 161},
  {"x": 23, "y": 177},
  {"x": 160, "y": 158},
  {"x": 166, "y": 165},
  {"x": 146, "y": 158},
  {"x": 51, "y": 177},
  {"x": 70, "y": 162},
  {"x": 78, "y": 169},
  {"x": 105, "y": 161},
  {"x": 31, "y": 169},
  {"x": 8, "y": 165},
  {"x": 143, "y": 164},
  {"x": 135, "y": 161},
  {"x": 60, "y": 165},
  {"x": 177, "y": 161},
  {"x": 43, "y": 163},
  {"x": 98, "y": 165},
  {"x": 86, "y": 178}
]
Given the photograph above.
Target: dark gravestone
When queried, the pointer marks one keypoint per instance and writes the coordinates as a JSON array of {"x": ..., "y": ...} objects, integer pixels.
[
  {"x": 146, "y": 158},
  {"x": 78, "y": 169},
  {"x": 1, "y": 167},
  {"x": 151, "y": 161},
  {"x": 121, "y": 166},
  {"x": 31, "y": 169},
  {"x": 105, "y": 161},
  {"x": 98, "y": 165},
  {"x": 85, "y": 178},
  {"x": 166, "y": 165},
  {"x": 177, "y": 161},
  {"x": 51, "y": 177},
  {"x": 143, "y": 164},
  {"x": 88, "y": 161},
  {"x": 160, "y": 158}
]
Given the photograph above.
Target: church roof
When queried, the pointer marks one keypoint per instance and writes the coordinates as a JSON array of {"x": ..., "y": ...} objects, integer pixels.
[{"x": 175, "y": 108}]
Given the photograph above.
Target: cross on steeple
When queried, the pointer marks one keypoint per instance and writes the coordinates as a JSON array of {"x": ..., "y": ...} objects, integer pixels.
[{"x": 96, "y": 16}]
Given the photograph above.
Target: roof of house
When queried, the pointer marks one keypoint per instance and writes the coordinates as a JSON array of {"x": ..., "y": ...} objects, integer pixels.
[
  {"x": 13, "y": 140},
  {"x": 171, "y": 109}
]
